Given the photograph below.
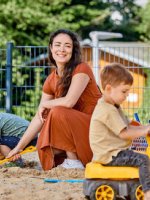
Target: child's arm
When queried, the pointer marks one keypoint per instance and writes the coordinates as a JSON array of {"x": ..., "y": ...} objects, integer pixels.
[
  {"x": 132, "y": 132},
  {"x": 1, "y": 156}
]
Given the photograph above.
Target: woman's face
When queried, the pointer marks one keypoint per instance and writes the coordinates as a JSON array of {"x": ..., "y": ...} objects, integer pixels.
[{"x": 61, "y": 49}]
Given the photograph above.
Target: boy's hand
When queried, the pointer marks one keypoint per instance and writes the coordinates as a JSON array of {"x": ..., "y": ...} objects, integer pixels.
[{"x": 148, "y": 130}]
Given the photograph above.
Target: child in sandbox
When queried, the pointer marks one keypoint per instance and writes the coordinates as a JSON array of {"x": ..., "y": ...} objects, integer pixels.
[{"x": 111, "y": 133}]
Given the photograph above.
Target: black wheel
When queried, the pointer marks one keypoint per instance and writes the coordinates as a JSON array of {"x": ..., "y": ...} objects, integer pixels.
[
  {"x": 101, "y": 191},
  {"x": 136, "y": 192}
]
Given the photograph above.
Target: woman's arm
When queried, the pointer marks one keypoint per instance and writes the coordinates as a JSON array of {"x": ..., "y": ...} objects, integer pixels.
[
  {"x": 32, "y": 130},
  {"x": 77, "y": 86}
]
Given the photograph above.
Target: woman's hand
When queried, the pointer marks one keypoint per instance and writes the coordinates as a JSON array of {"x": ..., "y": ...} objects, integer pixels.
[
  {"x": 14, "y": 154},
  {"x": 42, "y": 112}
]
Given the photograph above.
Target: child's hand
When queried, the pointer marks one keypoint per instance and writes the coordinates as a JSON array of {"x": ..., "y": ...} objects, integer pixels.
[
  {"x": 148, "y": 133},
  {"x": 1, "y": 157},
  {"x": 148, "y": 130},
  {"x": 135, "y": 123}
]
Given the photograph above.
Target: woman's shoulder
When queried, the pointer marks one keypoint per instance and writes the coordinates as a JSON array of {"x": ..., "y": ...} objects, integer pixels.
[
  {"x": 83, "y": 65},
  {"x": 82, "y": 68},
  {"x": 48, "y": 85},
  {"x": 51, "y": 75}
]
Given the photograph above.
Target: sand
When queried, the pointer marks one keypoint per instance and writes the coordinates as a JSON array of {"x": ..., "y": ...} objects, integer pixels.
[{"x": 28, "y": 183}]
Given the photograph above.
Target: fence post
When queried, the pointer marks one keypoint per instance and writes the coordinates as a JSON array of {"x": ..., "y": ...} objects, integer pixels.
[
  {"x": 96, "y": 36},
  {"x": 9, "y": 77},
  {"x": 95, "y": 55}
]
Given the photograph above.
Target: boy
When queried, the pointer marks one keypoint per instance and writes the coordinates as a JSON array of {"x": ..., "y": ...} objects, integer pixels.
[{"x": 110, "y": 131}]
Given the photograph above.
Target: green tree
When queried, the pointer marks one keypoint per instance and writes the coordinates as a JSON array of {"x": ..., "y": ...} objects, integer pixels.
[
  {"x": 130, "y": 19},
  {"x": 144, "y": 26},
  {"x": 28, "y": 23}
]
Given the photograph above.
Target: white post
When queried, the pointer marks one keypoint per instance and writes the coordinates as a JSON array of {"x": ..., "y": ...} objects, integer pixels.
[
  {"x": 95, "y": 55},
  {"x": 96, "y": 36}
]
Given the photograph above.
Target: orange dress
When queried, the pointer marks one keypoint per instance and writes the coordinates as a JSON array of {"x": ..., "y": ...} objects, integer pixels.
[{"x": 67, "y": 129}]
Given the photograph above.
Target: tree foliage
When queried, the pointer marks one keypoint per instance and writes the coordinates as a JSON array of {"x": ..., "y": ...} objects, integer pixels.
[
  {"x": 144, "y": 26},
  {"x": 130, "y": 19},
  {"x": 29, "y": 23}
]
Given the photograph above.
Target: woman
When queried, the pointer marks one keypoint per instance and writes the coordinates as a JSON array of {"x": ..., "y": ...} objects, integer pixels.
[{"x": 68, "y": 98}]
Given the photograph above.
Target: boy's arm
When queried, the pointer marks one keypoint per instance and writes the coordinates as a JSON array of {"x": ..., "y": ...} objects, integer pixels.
[{"x": 132, "y": 132}]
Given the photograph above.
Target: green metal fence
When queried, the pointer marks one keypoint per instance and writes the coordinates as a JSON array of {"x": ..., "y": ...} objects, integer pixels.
[
  {"x": 23, "y": 70},
  {"x": 2, "y": 80}
]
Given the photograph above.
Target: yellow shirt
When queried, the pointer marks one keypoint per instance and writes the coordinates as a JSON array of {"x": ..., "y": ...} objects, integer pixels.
[{"x": 106, "y": 124}]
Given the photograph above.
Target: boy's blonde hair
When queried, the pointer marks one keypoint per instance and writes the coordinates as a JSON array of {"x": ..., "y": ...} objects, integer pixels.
[{"x": 114, "y": 74}]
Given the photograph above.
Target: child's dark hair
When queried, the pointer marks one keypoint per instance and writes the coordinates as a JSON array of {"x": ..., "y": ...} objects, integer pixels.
[{"x": 114, "y": 74}]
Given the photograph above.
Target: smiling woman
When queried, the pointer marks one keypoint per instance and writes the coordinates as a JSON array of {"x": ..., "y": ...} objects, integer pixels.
[
  {"x": 68, "y": 99},
  {"x": 61, "y": 51}
]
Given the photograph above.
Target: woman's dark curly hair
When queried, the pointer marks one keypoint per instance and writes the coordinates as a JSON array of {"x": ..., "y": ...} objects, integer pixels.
[{"x": 65, "y": 80}]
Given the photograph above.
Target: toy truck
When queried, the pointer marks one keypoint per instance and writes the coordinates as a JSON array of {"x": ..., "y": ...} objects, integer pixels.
[{"x": 112, "y": 183}]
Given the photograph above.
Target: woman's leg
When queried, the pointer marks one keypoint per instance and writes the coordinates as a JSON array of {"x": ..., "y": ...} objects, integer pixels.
[
  {"x": 68, "y": 130},
  {"x": 71, "y": 160},
  {"x": 71, "y": 155},
  {"x": 57, "y": 151}
]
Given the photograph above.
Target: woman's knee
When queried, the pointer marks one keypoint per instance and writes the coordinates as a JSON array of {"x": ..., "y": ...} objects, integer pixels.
[{"x": 58, "y": 111}]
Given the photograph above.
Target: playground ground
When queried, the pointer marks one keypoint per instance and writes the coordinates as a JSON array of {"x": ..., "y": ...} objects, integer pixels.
[{"x": 28, "y": 183}]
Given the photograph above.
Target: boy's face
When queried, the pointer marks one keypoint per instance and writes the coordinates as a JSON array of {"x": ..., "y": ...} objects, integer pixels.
[{"x": 119, "y": 93}]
